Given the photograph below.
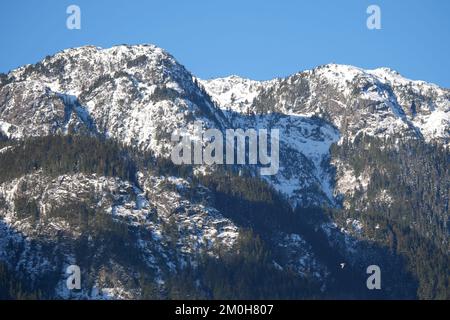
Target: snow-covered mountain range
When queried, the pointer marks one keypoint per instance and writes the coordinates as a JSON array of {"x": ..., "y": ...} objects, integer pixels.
[
  {"x": 138, "y": 95},
  {"x": 378, "y": 102}
]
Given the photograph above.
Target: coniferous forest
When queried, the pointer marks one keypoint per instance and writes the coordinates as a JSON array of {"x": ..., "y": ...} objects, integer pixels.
[{"x": 411, "y": 234}]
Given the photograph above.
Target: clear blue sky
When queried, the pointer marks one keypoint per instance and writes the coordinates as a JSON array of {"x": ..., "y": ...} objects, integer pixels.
[{"x": 258, "y": 39}]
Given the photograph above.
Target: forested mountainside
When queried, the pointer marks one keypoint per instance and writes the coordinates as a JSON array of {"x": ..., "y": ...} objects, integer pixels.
[{"x": 86, "y": 179}]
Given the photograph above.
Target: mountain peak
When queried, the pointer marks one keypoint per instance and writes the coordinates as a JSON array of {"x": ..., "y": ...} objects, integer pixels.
[
  {"x": 136, "y": 94},
  {"x": 379, "y": 101}
]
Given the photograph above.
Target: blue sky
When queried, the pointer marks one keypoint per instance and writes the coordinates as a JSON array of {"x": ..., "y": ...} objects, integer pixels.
[{"x": 256, "y": 38}]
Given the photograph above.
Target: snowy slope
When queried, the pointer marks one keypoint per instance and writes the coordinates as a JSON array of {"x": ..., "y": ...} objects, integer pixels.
[
  {"x": 140, "y": 94},
  {"x": 234, "y": 93},
  {"x": 147, "y": 212},
  {"x": 318, "y": 107}
]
